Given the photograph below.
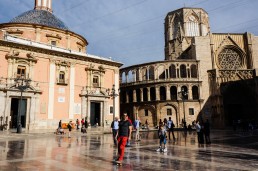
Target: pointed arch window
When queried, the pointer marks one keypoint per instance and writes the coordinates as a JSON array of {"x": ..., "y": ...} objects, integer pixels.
[
  {"x": 172, "y": 71},
  {"x": 183, "y": 71},
  {"x": 195, "y": 93},
  {"x": 176, "y": 28},
  {"x": 193, "y": 71},
  {"x": 192, "y": 26}
]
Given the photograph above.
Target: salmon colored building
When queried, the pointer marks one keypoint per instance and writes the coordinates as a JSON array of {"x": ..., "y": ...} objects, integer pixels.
[{"x": 65, "y": 82}]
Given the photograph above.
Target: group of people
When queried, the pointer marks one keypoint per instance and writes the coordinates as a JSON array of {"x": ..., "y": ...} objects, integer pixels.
[
  {"x": 122, "y": 131},
  {"x": 165, "y": 126},
  {"x": 83, "y": 123},
  {"x": 203, "y": 130}
]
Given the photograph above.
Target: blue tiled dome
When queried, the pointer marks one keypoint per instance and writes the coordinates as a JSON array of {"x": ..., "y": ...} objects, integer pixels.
[{"x": 40, "y": 17}]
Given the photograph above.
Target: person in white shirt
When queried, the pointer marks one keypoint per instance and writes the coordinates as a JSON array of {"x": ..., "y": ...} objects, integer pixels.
[
  {"x": 198, "y": 128},
  {"x": 114, "y": 129},
  {"x": 171, "y": 125},
  {"x": 137, "y": 129}
]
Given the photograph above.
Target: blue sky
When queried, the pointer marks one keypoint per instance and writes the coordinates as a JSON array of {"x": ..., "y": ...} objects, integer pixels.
[{"x": 131, "y": 31}]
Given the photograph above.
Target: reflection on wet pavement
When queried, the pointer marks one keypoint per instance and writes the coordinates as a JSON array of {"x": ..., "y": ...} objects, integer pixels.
[{"x": 228, "y": 151}]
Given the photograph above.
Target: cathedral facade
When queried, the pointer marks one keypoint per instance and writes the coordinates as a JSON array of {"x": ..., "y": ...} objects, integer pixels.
[
  {"x": 46, "y": 74},
  {"x": 204, "y": 75}
]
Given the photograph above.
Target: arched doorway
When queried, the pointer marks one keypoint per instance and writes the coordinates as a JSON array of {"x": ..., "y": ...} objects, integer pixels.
[{"x": 239, "y": 102}]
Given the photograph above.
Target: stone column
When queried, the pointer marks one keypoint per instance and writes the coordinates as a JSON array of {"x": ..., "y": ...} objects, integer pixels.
[
  {"x": 157, "y": 93},
  {"x": 148, "y": 94},
  {"x": 141, "y": 94},
  {"x": 190, "y": 94},
  {"x": 134, "y": 96},
  {"x": 168, "y": 93}
]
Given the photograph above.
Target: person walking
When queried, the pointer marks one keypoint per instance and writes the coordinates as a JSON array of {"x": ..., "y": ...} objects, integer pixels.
[
  {"x": 128, "y": 144},
  {"x": 124, "y": 134},
  {"x": 60, "y": 124},
  {"x": 147, "y": 124},
  {"x": 171, "y": 125},
  {"x": 137, "y": 129},
  {"x": 162, "y": 138},
  {"x": 77, "y": 124},
  {"x": 114, "y": 129},
  {"x": 69, "y": 126},
  {"x": 160, "y": 123},
  {"x": 165, "y": 122},
  {"x": 199, "y": 132},
  {"x": 83, "y": 129},
  {"x": 207, "y": 132}
]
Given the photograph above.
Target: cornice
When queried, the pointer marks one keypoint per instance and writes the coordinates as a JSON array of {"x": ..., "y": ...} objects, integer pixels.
[{"x": 58, "y": 54}]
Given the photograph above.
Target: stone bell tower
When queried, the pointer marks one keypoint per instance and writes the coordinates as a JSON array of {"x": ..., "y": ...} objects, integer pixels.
[
  {"x": 43, "y": 5},
  {"x": 180, "y": 27}
]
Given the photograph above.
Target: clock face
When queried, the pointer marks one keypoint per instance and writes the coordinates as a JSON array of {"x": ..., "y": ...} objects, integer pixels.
[{"x": 191, "y": 18}]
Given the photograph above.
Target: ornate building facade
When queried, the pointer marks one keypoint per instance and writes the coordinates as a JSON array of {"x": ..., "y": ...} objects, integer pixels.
[
  {"x": 66, "y": 83},
  {"x": 204, "y": 75}
]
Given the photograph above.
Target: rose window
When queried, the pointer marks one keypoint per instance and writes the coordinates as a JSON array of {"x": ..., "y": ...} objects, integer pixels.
[{"x": 229, "y": 59}]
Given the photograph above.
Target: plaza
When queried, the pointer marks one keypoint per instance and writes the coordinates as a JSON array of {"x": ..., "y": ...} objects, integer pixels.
[{"x": 36, "y": 151}]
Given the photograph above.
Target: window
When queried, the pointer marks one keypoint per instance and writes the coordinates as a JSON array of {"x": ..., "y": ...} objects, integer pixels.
[
  {"x": 61, "y": 77},
  {"x": 183, "y": 71},
  {"x": 191, "y": 111},
  {"x": 146, "y": 112},
  {"x": 53, "y": 43},
  {"x": 193, "y": 71},
  {"x": 195, "y": 93},
  {"x": 169, "y": 112},
  {"x": 111, "y": 109},
  {"x": 21, "y": 70},
  {"x": 95, "y": 81},
  {"x": 230, "y": 59}
]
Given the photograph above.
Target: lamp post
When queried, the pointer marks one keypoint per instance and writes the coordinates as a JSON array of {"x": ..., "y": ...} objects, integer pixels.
[
  {"x": 22, "y": 84},
  {"x": 183, "y": 93},
  {"x": 113, "y": 93}
]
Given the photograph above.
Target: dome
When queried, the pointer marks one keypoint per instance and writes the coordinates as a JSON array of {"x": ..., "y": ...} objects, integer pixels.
[{"x": 41, "y": 17}]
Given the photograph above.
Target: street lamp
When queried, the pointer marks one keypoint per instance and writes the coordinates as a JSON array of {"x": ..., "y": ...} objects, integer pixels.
[
  {"x": 113, "y": 93},
  {"x": 183, "y": 93},
  {"x": 22, "y": 84}
]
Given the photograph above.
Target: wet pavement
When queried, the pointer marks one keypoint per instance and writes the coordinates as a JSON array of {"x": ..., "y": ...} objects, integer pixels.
[{"x": 46, "y": 151}]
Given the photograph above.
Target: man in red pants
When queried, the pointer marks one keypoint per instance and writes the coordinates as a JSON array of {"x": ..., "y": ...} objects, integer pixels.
[{"x": 124, "y": 134}]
